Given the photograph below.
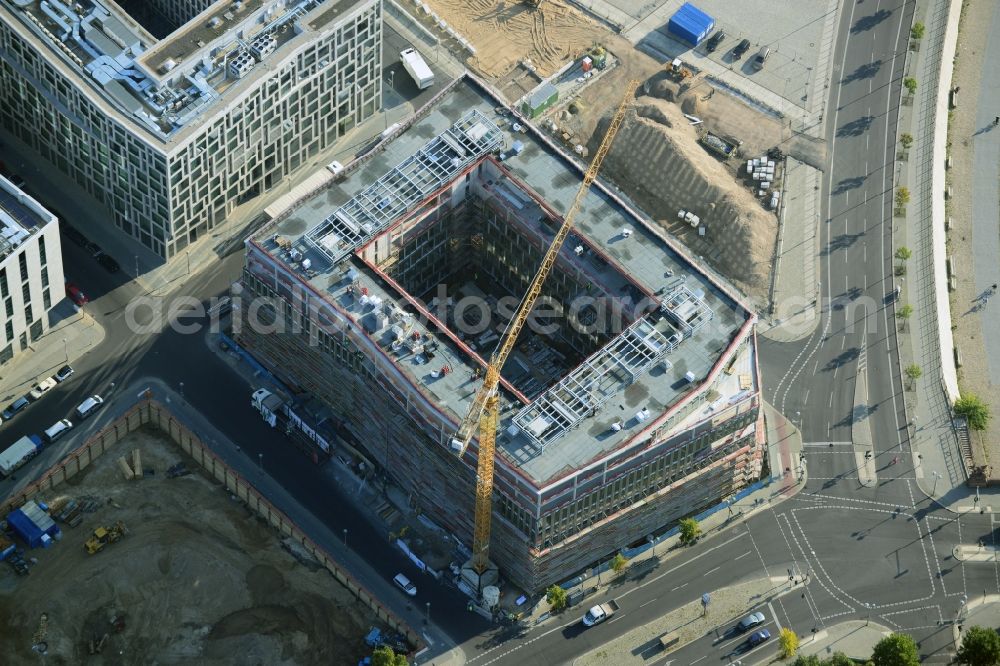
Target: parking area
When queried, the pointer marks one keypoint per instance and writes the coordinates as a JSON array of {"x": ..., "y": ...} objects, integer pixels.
[
  {"x": 796, "y": 32},
  {"x": 398, "y": 87}
]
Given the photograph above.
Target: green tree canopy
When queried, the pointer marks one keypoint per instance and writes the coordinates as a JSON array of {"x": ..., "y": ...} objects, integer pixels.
[
  {"x": 619, "y": 562},
  {"x": 557, "y": 598},
  {"x": 980, "y": 647},
  {"x": 384, "y": 656},
  {"x": 896, "y": 650},
  {"x": 690, "y": 531},
  {"x": 975, "y": 411}
]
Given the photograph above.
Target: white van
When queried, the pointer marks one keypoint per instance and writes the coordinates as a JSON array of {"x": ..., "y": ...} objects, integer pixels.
[
  {"x": 60, "y": 428},
  {"x": 405, "y": 584},
  {"x": 89, "y": 406}
]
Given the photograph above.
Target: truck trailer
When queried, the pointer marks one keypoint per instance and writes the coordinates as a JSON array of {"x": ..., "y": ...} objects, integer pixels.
[
  {"x": 418, "y": 69},
  {"x": 19, "y": 453}
]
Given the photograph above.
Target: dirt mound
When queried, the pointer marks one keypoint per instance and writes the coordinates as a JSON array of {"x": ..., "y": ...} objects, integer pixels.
[
  {"x": 654, "y": 113},
  {"x": 505, "y": 32},
  {"x": 693, "y": 105},
  {"x": 662, "y": 87},
  {"x": 663, "y": 167}
]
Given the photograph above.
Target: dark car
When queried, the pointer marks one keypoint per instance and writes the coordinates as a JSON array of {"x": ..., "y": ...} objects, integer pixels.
[
  {"x": 749, "y": 622},
  {"x": 714, "y": 41},
  {"x": 758, "y": 637},
  {"x": 108, "y": 263},
  {"x": 15, "y": 407},
  {"x": 73, "y": 234},
  {"x": 740, "y": 49}
]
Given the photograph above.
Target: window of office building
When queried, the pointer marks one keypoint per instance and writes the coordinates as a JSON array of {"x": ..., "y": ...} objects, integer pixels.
[
  {"x": 3, "y": 283},
  {"x": 22, "y": 260},
  {"x": 41, "y": 252}
]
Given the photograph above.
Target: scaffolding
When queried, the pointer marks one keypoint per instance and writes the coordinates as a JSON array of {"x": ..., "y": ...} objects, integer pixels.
[
  {"x": 687, "y": 309},
  {"x": 598, "y": 379},
  {"x": 371, "y": 211}
]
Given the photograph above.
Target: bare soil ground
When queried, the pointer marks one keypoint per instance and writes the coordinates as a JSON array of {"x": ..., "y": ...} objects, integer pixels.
[
  {"x": 656, "y": 159},
  {"x": 198, "y": 579},
  {"x": 505, "y": 32}
]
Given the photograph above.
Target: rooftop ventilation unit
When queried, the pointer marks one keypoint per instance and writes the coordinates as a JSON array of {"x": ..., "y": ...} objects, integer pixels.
[
  {"x": 263, "y": 45},
  {"x": 241, "y": 65},
  {"x": 167, "y": 65}
]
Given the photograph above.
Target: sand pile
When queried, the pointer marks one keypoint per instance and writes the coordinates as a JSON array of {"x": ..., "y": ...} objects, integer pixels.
[
  {"x": 506, "y": 31},
  {"x": 657, "y": 160}
]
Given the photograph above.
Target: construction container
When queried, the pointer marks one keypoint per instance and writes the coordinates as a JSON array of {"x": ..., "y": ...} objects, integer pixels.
[
  {"x": 541, "y": 99},
  {"x": 587, "y": 64},
  {"x": 690, "y": 24}
]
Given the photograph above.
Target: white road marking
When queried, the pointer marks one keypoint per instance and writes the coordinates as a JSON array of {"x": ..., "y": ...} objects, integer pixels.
[
  {"x": 711, "y": 571},
  {"x": 698, "y": 659},
  {"x": 774, "y": 615},
  {"x": 739, "y": 557},
  {"x": 674, "y": 589},
  {"x": 647, "y": 603}
]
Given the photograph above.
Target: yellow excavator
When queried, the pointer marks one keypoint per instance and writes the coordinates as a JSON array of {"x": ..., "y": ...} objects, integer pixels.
[
  {"x": 484, "y": 409},
  {"x": 105, "y": 535}
]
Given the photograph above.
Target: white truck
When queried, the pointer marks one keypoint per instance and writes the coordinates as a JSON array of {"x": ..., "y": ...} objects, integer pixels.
[
  {"x": 19, "y": 453},
  {"x": 417, "y": 68},
  {"x": 268, "y": 404},
  {"x": 599, "y": 613}
]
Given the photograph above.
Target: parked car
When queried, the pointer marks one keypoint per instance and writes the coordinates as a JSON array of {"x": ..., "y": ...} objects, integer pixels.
[
  {"x": 42, "y": 387},
  {"x": 15, "y": 407},
  {"x": 761, "y": 57},
  {"x": 63, "y": 373},
  {"x": 89, "y": 406},
  {"x": 72, "y": 234},
  {"x": 107, "y": 262},
  {"x": 76, "y": 295},
  {"x": 58, "y": 429},
  {"x": 714, "y": 41},
  {"x": 404, "y": 584},
  {"x": 740, "y": 49},
  {"x": 758, "y": 637},
  {"x": 750, "y": 621}
]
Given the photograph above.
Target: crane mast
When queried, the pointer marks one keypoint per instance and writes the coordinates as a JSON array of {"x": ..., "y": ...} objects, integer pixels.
[{"x": 485, "y": 404}]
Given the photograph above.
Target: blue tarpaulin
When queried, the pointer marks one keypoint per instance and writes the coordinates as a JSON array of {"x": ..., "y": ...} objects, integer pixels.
[{"x": 690, "y": 25}]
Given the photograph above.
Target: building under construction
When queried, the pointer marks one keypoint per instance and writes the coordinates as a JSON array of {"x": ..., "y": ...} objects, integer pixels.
[{"x": 630, "y": 401}]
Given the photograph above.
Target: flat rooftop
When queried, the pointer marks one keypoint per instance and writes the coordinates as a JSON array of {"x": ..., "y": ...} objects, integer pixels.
[
  {"x": 634, "y": 378},
  {"x": 167, "y": 86},
  {"x": 20, "y": 217}
]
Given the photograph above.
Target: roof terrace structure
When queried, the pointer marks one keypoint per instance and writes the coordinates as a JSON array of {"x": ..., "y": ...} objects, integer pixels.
[
  {"x": 216, "y": 112},
  {"x": 630, "y": 398}
]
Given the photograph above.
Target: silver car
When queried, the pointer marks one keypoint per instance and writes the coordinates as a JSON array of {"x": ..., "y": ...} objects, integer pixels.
[{"x": 750, "y": 621}]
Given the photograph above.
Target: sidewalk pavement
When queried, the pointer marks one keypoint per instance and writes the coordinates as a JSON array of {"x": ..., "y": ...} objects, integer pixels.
[
  {"x": 922, "y": 230},
  {"x": 73, "y": 333},
  {"x": 982, "y": 611},
  {"x": 795, "y": 306},
  {"x": 788, "y": 476},
  {"x": 856, "y": 639}
]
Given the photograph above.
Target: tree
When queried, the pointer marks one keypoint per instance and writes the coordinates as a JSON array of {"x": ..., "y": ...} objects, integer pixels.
[
  {"x": 896, "y": 650},
  {"x": 903, "y": 253},
  {"x": 839, "y": 659},
  {"x": 902, "y": 198},
  {"x": 906, "y": 139},
  {"x": 807, "y": 660},
  {"x": 618, "y": 563},
  {"x": 690, "y": 531},
  {"x": 975, "y": 411},
  {"x": 557, "y": 598},
  {"x": 905, "y": 312},
  {"x": 913, "y": 373},
  {"x": 384, "y": 656},
  {"x": 910, "y": 84},
  {"x": 788, "y": 641},
  {"x": 980, "y": 647},
  {"x": 917, "y": 31}
]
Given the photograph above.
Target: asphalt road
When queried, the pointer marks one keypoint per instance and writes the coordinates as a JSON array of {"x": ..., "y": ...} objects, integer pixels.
[{"x": 882, "y": 551}]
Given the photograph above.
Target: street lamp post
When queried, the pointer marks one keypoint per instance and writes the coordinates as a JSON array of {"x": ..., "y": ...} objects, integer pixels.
[
  {"x": 936, "y": 475},
  {"x": 345, "y": 536},
  {"x": 868, "y": 607},
  {"x": 652, "y": 542},
  {"x": 260, "y": 460},
  {"x": 65, "y": 350},
  {"x": 428, "y": 617},
  {"x": 182, "y": 389}
]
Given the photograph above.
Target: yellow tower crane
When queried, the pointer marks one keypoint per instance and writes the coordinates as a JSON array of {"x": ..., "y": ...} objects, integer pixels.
[{"x": 484, "y": 408}]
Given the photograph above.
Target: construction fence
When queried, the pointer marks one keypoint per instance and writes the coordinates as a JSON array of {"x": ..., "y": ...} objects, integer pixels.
[{"x": 148, "y": 412}]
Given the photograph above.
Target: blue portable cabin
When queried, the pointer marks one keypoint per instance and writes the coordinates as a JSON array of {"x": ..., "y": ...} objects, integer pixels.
[
  {"x": 33, "y": 525},
  {"x": 690, "y": 25}
]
